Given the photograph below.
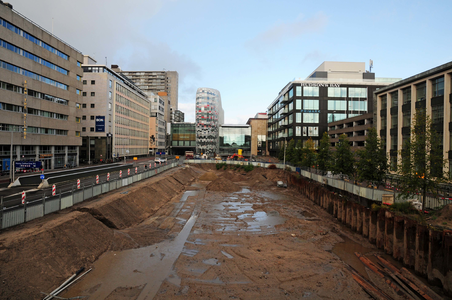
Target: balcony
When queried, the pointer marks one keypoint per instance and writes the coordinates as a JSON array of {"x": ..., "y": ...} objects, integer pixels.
[{"x": 284, "y": 111}]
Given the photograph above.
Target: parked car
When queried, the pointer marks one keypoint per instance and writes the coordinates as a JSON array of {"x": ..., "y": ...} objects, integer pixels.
[{"x": 160, "y": 159}]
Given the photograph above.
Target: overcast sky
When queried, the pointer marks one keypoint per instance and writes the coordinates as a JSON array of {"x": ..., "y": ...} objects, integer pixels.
[{"x": 249, "y": 50}]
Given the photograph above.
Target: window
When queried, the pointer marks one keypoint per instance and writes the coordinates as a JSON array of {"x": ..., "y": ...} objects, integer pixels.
[
  {"x": 109, "y": 95},
  {"x": 77, "y": 105},
  {"x": 92, "y": 105},
  {"x": 384, "y": 101},
  {"x": 357, "y": 105},
  {"x": 109, "y": 118},
  {"x": 298, "y": 104},
  {"x": 298, "y": 130},
  {"x": 77, "y": 119},
  {"x": 291, "y": 93},
  {"x": 93, "y": 94},
  {"x": 383, "y": 122},
  {"x": 310, "y": 104},
  {"x": 298, "y": 90},
  {"x": 357, "y": 92},
  {"x": 337, "y": 105},
  {"x": 311, "y": 91},
  {"x": 313, "y": 131},
  {"x": 305, "y": 131},
  {"x": 91, "y": 129},
  {"x": 79, "y": 77},
  {"x": 84, "y": 94},
  {"x": 336, "y": 117},
  {"x": 394, "y": 121},
  {"x": 407, "y": 119},
  {"x": 110, "y": 83},
  {"x": 395, "y": 99},
  {"x": 298, "y": 117},
  {"x": 437, "y": 114},
  {"x": 79, "y": 64},
  {"x": 84, "y": 105},
  {"x": 83, "y": 129},
  {"x": 83, "y": 117},
  {"x": 406, "y": 95},
  {"x": 91, "y": 118},
  {"x": 310, "y": 118},
  {"x": 420, "y": 92},
  {"x": 77, "y": 133},
  {"x": 78, "y": 91},
  {"x": 337, "y": 92},
  {"x": 109, "y": 106},
  {"x": 438, "y": 86},
  {"x": 84, "y": 82},
  {"x": 93, "y": 82}
]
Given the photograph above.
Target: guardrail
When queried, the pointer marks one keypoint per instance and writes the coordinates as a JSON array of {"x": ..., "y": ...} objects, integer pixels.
[{"x": 30, "y": 210}]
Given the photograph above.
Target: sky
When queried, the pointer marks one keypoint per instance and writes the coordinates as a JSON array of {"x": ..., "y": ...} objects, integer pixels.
[{"x": 249, "y": 50}]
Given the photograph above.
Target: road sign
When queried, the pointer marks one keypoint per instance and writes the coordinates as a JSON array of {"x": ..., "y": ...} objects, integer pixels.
[
  {"x": 42, "y": 176},
  {"x": 136, "y": 170},
  {"x": 120, "y": 174},
  {"x": 97, "y": 179},
  {"x": 23, "y": 197},
  {"x": 78, "y": 183},
  {"x": 53, "y": 190},
  {"x": 108, "y": 176},
  {"x": 128, "y": 171}
]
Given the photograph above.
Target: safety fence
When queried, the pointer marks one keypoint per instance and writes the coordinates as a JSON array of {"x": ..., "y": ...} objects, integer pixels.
[
  {"x": 343, "y": 184},
  {"x": 32, "y": 210}
]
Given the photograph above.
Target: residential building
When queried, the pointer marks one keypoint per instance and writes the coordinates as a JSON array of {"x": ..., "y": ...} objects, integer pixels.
[
  {"x": 155, "y": 82},
  {"x": 333, "y": 92},
  {"x": 396, "y": 105},
  {"x": 234, "y": 139},
  {"x": 115, "y": 115},
  {"x": 258, "y": 134},
  {"x": 183, "y": 137},
  {"x": 209, "y": 117},
  {"x": 179, "y": 116},
  {"x": 40, "y": 94}
]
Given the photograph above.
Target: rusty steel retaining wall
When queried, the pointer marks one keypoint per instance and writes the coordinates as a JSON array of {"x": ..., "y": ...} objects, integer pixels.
[{"x": 425, "y": 249}]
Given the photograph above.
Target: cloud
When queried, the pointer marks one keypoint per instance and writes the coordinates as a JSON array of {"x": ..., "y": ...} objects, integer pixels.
[{"x": 283, "y": 31}]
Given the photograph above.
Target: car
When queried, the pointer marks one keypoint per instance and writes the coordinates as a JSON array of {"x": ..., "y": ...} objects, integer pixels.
[{"x": 160, "y": 160}]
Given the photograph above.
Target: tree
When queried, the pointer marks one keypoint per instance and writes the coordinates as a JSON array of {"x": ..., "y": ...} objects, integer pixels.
[
  {"x": 290, "y": 151},
  {"x": 299, "y": 153},
  {"x": 324, "y": 156},
  {"x": 373, "y": 162},
  {"x": 344, "y": 159},
  {"x": 422, "y": 164},
  {"x": 309, "y": 154}
]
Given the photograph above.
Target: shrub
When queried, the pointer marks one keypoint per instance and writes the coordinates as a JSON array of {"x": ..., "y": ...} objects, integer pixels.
[
  {"x": 220, "y": 165},
  {"x": 403, "y": 207},
  {"x": 272, "y": 166},
  {"x": 248, "y": 168}
]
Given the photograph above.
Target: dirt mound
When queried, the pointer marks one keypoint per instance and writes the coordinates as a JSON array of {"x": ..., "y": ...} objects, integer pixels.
[
  {"x": 233, "y": 176},
  {"x": 208, "y": 176},
  {"x": 223, "y": 185},
  {"x": 444, "y": 218}
]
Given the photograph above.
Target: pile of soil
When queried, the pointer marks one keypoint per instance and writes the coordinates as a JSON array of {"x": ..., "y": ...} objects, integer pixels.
[
  {"x": 234, "y": 176},
  {"x": 444, "y": 217},
  {"x": 223, "y": 185},
  {"x": 208, "y": 176}
]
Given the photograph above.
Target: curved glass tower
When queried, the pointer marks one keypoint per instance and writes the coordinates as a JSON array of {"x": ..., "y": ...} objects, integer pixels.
[{"x": 209, "y": 117}]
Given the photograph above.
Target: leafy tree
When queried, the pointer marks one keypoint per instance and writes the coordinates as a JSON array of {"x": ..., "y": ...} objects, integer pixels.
[
  {"x": 344, "y": 159},
  {"x": 373, "y": 162},
  {"x": 290, "y": 151},
  {"x": 422, "y": 164},
  {"x": 309, "y": 154},
  {"x": 324, "y": 156},
  {"x": 299, "y": 152}
]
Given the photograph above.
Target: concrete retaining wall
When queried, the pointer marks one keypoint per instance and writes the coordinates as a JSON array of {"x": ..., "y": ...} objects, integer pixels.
[{"x": 426, "y": 250}]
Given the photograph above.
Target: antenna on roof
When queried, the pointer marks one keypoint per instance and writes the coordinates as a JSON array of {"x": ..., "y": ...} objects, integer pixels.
[{"x": 371, "y": 64}]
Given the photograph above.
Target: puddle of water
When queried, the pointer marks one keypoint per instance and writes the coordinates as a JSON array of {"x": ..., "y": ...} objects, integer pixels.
[
  {"x": 346, "y": 252},
  {"x": 261, "y": 218},
  {"x": 134, "y": 267},
  {"x": 211, "y": 262},
  {"x": 227, "y": 255},
  {"x": 243, "y": 191}
]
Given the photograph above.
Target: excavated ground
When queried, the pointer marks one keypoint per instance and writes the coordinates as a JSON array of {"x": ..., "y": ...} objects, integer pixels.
[{"x": 190, "y": 233}]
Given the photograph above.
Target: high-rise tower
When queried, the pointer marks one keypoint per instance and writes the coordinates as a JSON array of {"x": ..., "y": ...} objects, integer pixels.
[{"x": 209, "y": 116}]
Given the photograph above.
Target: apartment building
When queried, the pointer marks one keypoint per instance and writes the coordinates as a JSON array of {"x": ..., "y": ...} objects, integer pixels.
[
  {"x": 40, "y": 94},
  {"x": 115, "y": 115},
  {"x": 334, "y": 91},
  {"x": 396, "y": 104},
  {"x": 258, "y": 126}
]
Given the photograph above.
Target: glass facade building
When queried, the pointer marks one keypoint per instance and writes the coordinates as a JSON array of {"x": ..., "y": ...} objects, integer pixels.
[
  {"x": 234, "y": 137},
  {"x": 183, "y": 137},
  {"x": 209, "y": 116}
]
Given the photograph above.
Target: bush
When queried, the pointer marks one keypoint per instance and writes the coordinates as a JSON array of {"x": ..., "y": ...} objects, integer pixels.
[
  {"x": 272, "y": 166},
  {"x": 403, "y": 207},
  {"x": 248, "y": 168},
  {"x": 220, "y": 165}
]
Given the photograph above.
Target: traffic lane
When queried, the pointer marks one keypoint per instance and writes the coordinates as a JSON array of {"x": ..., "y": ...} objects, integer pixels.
[{"x": 35, "y": 196}]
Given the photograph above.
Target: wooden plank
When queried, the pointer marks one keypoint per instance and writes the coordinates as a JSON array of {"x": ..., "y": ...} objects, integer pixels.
[
  {"x": 420, "y": 284},
  {"x": 371, "y": 289}
]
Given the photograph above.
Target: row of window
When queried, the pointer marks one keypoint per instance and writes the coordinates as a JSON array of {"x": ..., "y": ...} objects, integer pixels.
[
  {"x": 131, "y": 114},
  {"x": 32, "y": 75},
  {"x": 32, "y": 93},
  {"x": 32, "y": 129},
  {"x": 29, "y": 37},
  {"x": 129, "y": 94},
  {"x": 32, "y": 111}
]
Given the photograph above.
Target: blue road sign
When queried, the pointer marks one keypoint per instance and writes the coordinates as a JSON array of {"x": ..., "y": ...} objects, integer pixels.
[{"x": 42, "y": 176}]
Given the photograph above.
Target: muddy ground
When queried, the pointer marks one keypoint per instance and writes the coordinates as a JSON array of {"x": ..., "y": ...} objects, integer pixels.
[{"x": 190, "y": 233}]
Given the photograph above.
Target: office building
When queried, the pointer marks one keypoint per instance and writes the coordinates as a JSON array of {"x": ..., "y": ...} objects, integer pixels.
[
  {"x": 115, "y": 115},
  {"x": 40, "y": 94},
  {"x": 183, "y": 137},
  {"x": 209, "y": 116},
  {"x": 258, "y": 134},
  {"x": 158, "y": 124},
  {"x": 397, "y": 103},
  {"x": 355, "y": 128},
  {"x": 334, "y": 91},
  {"x": 234, "y": 139},
  {"x": 179, "y": 116}
]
